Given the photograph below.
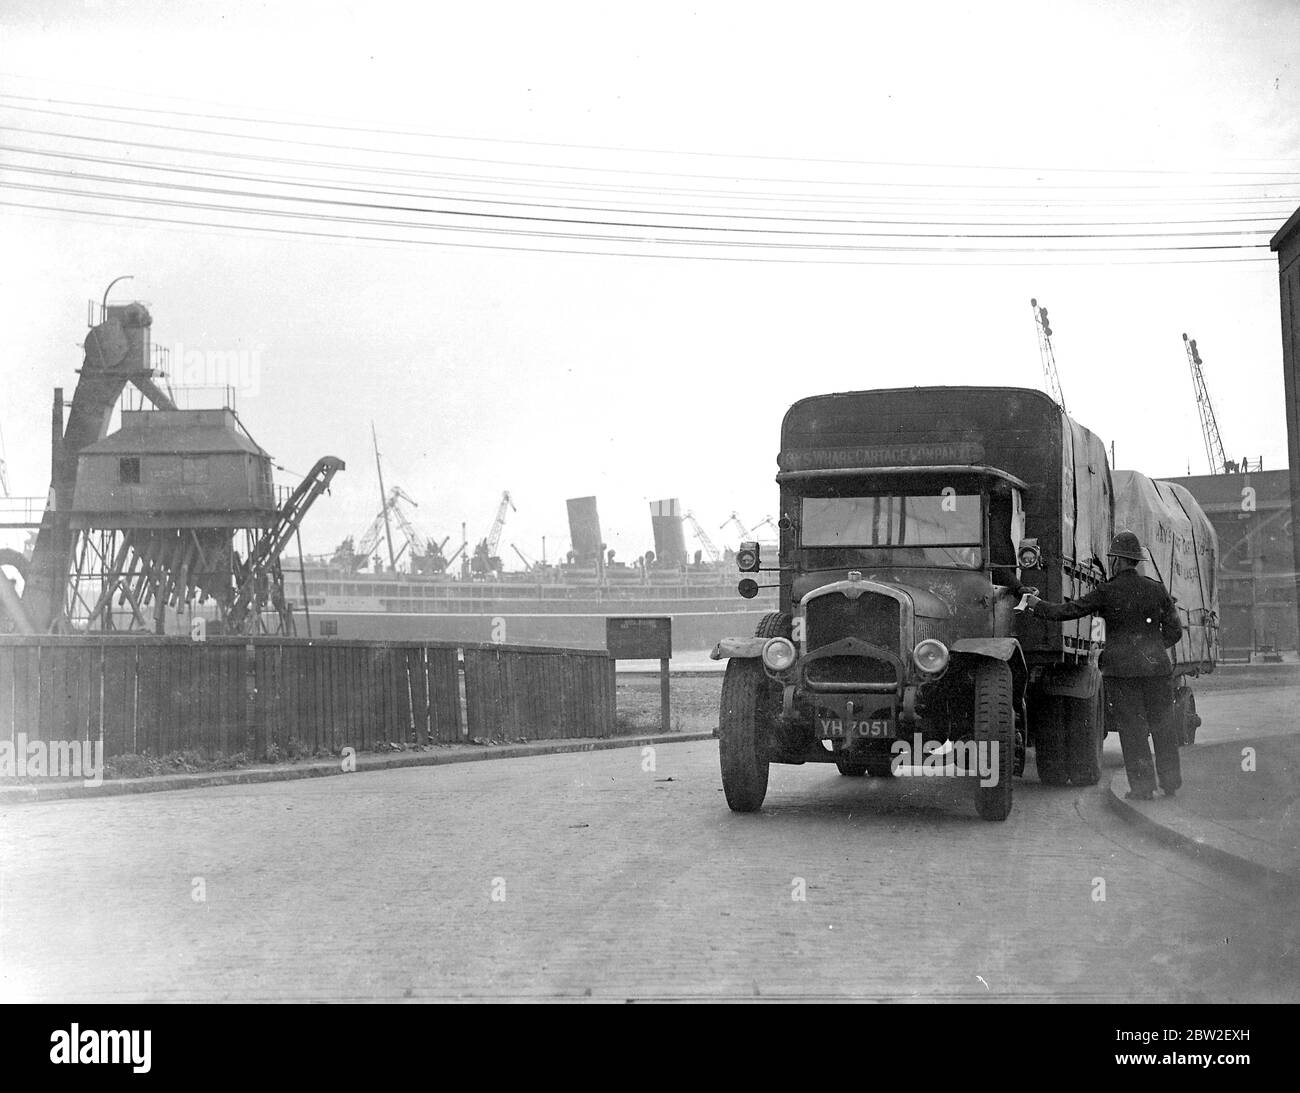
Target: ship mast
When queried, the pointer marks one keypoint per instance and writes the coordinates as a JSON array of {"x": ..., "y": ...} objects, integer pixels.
[{"x": 383, "y": 501}]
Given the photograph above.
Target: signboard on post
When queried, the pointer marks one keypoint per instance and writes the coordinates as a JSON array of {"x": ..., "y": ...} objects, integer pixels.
[{"x": 643, "y": 637}]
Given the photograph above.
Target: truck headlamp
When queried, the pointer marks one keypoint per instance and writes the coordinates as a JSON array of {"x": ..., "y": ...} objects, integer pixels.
[
  {"x": 930, "y": 656},
  {"x": 779, "y": 654},
  {"x": 1029, "y": 555},
  {"x": 747, "y": 558}
]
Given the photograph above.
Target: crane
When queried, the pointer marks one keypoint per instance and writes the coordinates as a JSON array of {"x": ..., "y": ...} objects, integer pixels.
[
  {"x": 1209, "y": 426},
  {"x": 1047, "y": 354},
  {"x": 486, "y": 559},
  {"x": 494, "y": 536},
  {"x": 380, "y": 527},
  {"x": 528, "y": 563},
  {"x": 734, "y": 518},
  {"x": 710, "y": 551},
  {"x": 767, "y": 521}
]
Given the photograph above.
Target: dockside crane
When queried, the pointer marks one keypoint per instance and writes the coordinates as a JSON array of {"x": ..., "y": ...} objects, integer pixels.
[
  {"x": 1047, "y": 354},
  {"x": 1214, "y": 453},
  {"x": 529, "y": 564},
  {"x": 381, "y": 528},
  {"x": 486, "y": 558},
  {"x": 734, "y": 518},
  {"x": 710, "y": 551}
]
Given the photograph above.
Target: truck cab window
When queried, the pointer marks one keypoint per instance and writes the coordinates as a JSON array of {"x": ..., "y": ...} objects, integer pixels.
[{"x": 897, "y": 529}]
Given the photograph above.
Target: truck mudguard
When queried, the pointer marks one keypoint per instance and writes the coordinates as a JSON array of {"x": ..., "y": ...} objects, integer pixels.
[
  {"x": 1071, "y": 680},
  {"x": 738, "y": 647},
  {"x": 1004, "y": 649}
]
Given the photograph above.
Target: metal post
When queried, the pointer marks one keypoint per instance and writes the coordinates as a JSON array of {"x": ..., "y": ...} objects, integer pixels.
[
  {"x": 302, "y": 580},
  {"x": 383, "y": 500},
  {"x": 1286, "y": 243},
  {"x": 665, "y": 724}
]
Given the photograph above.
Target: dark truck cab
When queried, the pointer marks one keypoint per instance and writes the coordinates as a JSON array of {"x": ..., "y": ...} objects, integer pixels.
[{"x": 911, "y": 519}]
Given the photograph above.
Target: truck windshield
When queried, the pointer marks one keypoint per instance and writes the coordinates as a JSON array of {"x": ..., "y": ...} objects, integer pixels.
[{"x": 893, "y": 529}]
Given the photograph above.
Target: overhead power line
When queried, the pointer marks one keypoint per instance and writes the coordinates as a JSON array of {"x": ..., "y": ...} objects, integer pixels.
[
  {"x": 319, "y": 185},
  {"x": 910, "y": 233},
  {"x": 377, "y": 130},
  {"x": 651, "y": 172}
]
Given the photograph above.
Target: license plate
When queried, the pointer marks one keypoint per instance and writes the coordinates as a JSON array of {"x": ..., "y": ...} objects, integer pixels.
[{"x": 835, "y": 728}]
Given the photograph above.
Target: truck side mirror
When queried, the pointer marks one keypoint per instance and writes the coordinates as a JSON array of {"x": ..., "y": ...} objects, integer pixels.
[
  {"x": 747, "y": 559},
  {"x": 1028, "y": 554},
  {"x": 785, "y": 523}
]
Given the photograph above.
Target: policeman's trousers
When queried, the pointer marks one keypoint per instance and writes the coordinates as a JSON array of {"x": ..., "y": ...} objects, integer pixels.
[{"x": 1137, "y": 707}]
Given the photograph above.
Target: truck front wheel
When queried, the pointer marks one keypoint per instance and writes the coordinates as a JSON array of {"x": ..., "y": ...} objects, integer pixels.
[
  {"x": 748, "y": 709},
  {"x": 995, "y": 733}
]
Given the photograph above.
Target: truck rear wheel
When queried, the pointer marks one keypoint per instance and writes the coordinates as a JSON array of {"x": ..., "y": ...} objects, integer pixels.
[
  {"x": 1049, "y": 741},
  {"x": 995, "y": 728},
  {"x": 1085, "y": 728},
  {"x": 851, "y": 769},
  {"x": 745, "y": 722}
]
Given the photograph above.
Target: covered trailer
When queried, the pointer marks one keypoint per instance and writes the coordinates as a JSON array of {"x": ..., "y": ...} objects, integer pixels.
[{"x": 1182, "y": 552}]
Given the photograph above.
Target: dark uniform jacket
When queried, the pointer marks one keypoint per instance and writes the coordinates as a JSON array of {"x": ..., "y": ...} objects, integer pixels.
[{"x": 1141, "y": 623}]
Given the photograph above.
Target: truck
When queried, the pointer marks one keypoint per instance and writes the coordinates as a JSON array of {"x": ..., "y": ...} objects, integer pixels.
[{"x": 912, "y": 521}]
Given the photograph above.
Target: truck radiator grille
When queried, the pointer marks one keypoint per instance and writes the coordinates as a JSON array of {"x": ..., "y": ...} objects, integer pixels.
[
  {"x": 871, "y": 617},
  {"x": 850, "y": 670}
]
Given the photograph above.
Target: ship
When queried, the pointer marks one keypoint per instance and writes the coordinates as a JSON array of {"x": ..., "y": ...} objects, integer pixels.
[{"x": 554, "y": 604}]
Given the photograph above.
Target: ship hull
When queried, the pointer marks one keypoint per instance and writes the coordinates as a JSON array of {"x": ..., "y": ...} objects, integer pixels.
[{"x": 693, "y": 631}]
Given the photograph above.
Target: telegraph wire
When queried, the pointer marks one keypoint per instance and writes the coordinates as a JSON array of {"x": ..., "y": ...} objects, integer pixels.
[
  {"x": 494, "y": 200},
  {"x": 1105, "y": 258},
  {"x": 425, "y": 134},
  {"x": 602, "y": 187},
  {"x": 225, "y": 134},
  {"x": 532, "y": 233},
  {"x": 575, "y": 221}
]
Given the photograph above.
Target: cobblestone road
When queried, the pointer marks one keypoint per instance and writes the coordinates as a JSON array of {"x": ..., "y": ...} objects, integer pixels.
[{"x": 618, "y": 883}]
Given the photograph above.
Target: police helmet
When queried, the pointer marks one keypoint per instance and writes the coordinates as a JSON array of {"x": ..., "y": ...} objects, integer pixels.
[{"x": 1125, "y": 545}]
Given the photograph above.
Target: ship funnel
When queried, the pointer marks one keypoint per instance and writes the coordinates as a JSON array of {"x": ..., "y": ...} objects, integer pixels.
[
  {"x": 584, "y": 530},
  {"x": 670, "y": 540}
]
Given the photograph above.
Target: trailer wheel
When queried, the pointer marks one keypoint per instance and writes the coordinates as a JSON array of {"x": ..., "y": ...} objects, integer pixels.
[
  {"x": 1049, "y": 741},
  {"x": 1186, "y": 720},
  {"x": 851, "y": 769},
  {"x": 1085, "y": 728},
  {"x": 995, "y": 727},
  {"x": 748, "y": 708}
]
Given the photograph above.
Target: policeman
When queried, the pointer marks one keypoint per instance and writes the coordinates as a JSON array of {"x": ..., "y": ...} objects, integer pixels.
[{"x": 1141, "y": 623}]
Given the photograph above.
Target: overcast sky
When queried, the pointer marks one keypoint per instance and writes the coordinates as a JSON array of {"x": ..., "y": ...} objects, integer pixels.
[{"x": 565, "y": 249}]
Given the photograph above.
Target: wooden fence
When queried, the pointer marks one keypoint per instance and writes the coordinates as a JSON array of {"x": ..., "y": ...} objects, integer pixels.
[{"x": 269, "y": 696}]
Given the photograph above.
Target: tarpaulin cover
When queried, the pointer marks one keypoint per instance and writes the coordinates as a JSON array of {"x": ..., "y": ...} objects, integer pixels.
[{"x": 1182, "y": 551}]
